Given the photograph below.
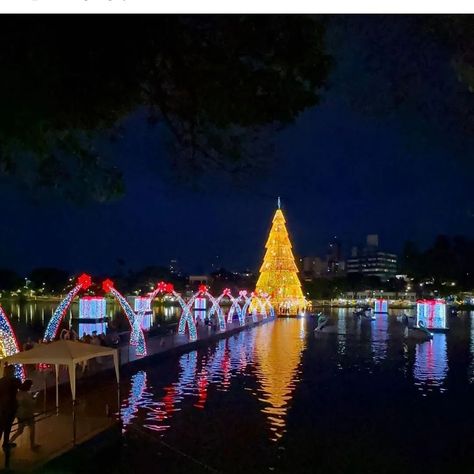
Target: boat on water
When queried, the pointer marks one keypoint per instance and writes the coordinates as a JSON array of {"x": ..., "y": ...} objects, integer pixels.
[
  {"x": 322, "y": 322},
  {"x": 407, "y": 319},
  {"x": 418, "y": 333},
  {"x": 364, "y": 314}
]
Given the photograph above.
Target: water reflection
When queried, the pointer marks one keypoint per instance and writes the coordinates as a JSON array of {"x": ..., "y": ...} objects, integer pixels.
[
  {"x": 471, "y": 347},
  {"x": 272, "y": 352},
  {"x": 341, "y": 331},
  {"x": 278, "y": 349},
  {"x": 138, "y": 397},
  {"x": 379, "y": 337},
  {"x": 431, "y": 364}
]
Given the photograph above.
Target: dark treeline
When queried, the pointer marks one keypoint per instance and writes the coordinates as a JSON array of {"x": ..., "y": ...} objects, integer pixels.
[
  {"x": 448, "y": 260},
  {"x": 446, "y": 267},
  {"x": 49, "y": 280}
]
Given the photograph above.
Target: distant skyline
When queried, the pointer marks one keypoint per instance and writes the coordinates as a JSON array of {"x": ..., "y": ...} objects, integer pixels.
[{"x": 353, "y": 165}]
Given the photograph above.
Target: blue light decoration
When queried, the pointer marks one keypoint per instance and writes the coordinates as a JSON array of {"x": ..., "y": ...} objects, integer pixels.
[
  {"x": 235, "y": 306},
  {"x": 92, "y": 307},
  {"x": 431, "y": 314},
  {"x": 186, "y": 319},
  {"x": 139, "y": 384},
  {"x": 431, "y": 364},
  {"x": 245, "y": 308},
  {"x": 143, "y": 310},
  {"x": 381, "y": 306},
  {"x": 137, "y": 338},
  {"x": 203, "y": 292},
  {"x": 51, "y": 332},
  {"x": 200, "y": 306},
  {"x": 93, "y": 310},
  {"x": 8, "y": 342}
]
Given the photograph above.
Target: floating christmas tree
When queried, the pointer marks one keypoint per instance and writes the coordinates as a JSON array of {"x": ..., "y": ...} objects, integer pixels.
[{"x": 279, "y": 273}]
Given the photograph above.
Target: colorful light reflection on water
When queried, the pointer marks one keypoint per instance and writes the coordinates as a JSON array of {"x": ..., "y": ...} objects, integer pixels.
[{"x": 277, "y": 394}]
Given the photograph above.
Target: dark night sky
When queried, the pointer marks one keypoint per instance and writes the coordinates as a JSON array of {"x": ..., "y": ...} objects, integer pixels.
[{"x": 339, "y": 170}]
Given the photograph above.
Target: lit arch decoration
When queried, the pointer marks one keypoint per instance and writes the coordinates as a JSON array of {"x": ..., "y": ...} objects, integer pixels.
[
  {"x": 137, "y": 338},
  {"x": 51, "y": 332},
  {"x": 248, "y": 302},
  {"x": 235, "y": 306},
  {"x": 186, "y": 318},
  {"x": 9, "y": 343},
  {"x": 266, "y": 301},
  {"x": 215, "y": 308}
]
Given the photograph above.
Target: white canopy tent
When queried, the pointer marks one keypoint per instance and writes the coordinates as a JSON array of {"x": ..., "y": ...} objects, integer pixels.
[{"x": 68, "y": 353}]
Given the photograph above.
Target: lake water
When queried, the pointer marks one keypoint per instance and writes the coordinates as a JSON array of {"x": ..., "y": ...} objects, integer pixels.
[{"x": 276, "y": 398}]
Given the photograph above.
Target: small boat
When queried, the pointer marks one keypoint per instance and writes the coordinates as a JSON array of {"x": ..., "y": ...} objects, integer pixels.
[
  {"x": 327, "y": 331},
  {"x": 365, "y": 314},
  {"x": 322, "y": 322},
  {"x": 406, "y": 319},
  {"x": 419, "y": 333}
]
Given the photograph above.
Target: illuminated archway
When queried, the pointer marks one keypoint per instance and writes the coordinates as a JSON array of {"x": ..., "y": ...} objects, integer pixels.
[
  {"x": 9, "y": 343},
  {"x": 235, "y": 305},
  {"x": 137, "y": 338},
  {"x": 250, "y": 301},
  {"x": 186, "y": 318},
  {"x": 51, "y": 332},
  {"x": 215, "y": 308}
]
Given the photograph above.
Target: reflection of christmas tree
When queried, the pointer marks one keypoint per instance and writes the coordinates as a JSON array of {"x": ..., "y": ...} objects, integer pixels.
[
  {"x": 278, "y": 273},
  {"x": 278, "y": 349}
]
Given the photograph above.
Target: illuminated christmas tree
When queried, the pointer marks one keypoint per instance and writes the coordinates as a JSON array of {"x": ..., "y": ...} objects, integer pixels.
[{"x": 279, "y": 273}]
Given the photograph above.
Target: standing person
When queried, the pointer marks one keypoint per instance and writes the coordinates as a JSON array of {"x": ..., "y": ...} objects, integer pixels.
[
  {"x": 26, "y": 413},
  {"x": 9, "y": 386}
]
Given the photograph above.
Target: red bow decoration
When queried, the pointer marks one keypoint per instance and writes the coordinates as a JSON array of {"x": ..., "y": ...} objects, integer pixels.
[
  {"x": 85, "y": 281},
  {"x": 107, "y": 285}
]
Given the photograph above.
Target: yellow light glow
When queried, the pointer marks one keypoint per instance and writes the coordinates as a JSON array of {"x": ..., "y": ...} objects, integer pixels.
[{"x": 279, "y": 273}]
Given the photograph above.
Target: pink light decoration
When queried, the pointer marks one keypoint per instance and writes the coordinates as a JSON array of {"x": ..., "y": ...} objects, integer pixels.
[
  {"x": 9, "y": 341},
  {"x": 431, "y": 313},
  {"x": 83, "y": 282},
  {"x": 137, "y": 337}
]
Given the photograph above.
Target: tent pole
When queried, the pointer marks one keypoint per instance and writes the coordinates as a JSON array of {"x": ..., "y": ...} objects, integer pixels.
[
  {"x": 74, "y": 422},
  {"x": 56, "y": 367},
  {"x": 44, "y": 392}
]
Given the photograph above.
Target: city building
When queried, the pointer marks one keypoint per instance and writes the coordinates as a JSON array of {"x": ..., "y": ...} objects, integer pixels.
[
  {"x": 334, "y": 256},
  {"x": 312, "y": 267},
  {"x": 368, "y": 295},
  {"x": 332, "y": 265},
  {"x": 371, "y": 261}
]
